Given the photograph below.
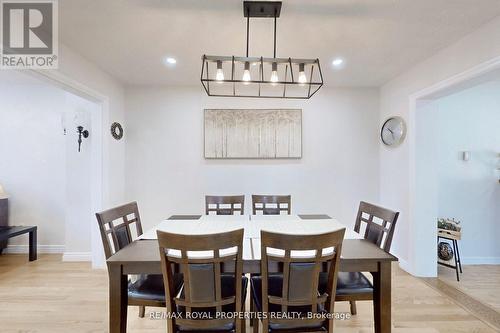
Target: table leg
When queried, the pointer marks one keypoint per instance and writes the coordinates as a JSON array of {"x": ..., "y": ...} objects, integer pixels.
[
  {"x": 32, "y": 245},
  {"x": 382, "y": 298},
  {"x": 455, "y": 257},
  {"x": 118, "y": 299},
  {"x": 458, "y": 257}
]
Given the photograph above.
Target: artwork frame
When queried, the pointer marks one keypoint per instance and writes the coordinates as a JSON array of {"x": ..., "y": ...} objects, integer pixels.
[{"x": 265, "y": 134}]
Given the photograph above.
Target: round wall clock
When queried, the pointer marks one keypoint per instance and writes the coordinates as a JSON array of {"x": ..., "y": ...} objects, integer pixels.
[
  {"x": 117, "y": 130},
  {"x": 393, "y": 131}
]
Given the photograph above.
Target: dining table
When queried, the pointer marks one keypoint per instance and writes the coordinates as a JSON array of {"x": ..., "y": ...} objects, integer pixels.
[{"x": 142, "y": 256}]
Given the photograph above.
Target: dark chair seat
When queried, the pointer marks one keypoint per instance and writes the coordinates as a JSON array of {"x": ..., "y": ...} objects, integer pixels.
[
  {"x": 275, "y": 288},
  {"x": 150, "y": 287},
  {"x": 348, "y": 283},
  {"x": 228, "y": 290}
]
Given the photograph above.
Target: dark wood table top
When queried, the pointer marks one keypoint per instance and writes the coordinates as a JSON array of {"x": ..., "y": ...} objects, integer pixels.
[
  {"x": 12, "y": 231},
  {"x": 357, "y": 254},
  {"x": 314, "y": 216},
  {"x": 147, "y": 251},
  {"x": 184, "y": 217},
  {"x": 143, "y": 256}
]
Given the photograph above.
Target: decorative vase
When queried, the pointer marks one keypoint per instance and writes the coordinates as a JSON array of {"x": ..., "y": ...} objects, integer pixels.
[{"x": 445, "y": 252}]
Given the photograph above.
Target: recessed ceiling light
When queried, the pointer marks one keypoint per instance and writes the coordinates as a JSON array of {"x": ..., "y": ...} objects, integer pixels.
[
  {"x": 337, "y": 62},
  {"x": 170, "y": 61}
]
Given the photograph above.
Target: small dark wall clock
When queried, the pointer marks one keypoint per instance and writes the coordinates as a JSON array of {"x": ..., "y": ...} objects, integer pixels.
[{"x": 117, "y": 130}]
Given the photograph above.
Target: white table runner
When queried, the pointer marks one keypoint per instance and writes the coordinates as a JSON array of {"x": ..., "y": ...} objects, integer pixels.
[{"x": 214, "y": 224}]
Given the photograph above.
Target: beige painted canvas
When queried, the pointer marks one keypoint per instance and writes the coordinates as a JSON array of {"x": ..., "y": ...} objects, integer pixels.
[{"x": 235, "y": 133}]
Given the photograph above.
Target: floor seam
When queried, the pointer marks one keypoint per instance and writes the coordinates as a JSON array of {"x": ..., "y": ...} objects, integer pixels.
[{"x": 478, "y": 309}]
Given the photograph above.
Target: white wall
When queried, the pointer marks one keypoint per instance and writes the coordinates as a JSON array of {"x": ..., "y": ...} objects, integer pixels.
[
  {"x": 396, "y": 177},
  {"x": 470, "y": 191},
  {"x": 167, "y": 173},
  {"x": 33, "y": 156},
  {"x": 79, "y": 216},
  {"x": 47, "y": 179},
  {"x": 86, "y": 75},
  {"x": 84, "y": 78}
]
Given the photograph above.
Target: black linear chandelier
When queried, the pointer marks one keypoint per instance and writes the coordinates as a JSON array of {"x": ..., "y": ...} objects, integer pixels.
[{"x": 231, "y": 76}]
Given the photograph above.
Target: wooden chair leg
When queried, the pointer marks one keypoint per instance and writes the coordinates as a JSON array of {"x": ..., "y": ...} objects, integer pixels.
[
  {"x": 354, "y": 311},
  {"x": 142, "y": 311},
  {"x": 255, "y": 324},
  {"x": 252, "y": 309}
]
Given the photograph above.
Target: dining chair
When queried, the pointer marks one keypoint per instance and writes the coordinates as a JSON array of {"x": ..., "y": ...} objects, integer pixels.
[
  {"x": 224, "y": 205},
  {"x": 116, "y": 233},
  {"x": 377, "y": 225},
  {"x": 214, "y": 284},
  {"x": 271, "y": 204},
  {"x": 289, "y": 281}
]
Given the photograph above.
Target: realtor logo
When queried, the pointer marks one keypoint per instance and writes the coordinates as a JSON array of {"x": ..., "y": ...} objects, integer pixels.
[{"x": 29, "y": 34}]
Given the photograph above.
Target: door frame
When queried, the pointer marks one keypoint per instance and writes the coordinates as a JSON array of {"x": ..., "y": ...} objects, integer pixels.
[
  {"x": 422, "y": 244},
  {"x": 97, "y": 161}
]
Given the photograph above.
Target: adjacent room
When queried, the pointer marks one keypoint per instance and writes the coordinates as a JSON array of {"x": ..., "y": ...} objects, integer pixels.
[{"x": 235, "y": 166}]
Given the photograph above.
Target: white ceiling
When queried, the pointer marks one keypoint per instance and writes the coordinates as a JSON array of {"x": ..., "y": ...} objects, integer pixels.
[{"x": 377, "y": 38}]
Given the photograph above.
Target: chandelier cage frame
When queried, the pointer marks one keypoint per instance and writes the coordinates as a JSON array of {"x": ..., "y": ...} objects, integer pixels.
[{"x": 292, "y": 81}]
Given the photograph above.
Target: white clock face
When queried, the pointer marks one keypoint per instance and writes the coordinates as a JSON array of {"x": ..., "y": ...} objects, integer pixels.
[{"x": 393, "y": 131}]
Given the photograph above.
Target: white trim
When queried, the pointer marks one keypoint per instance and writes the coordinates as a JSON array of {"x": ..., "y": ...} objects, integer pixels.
[
  {"x": 40, "y": 249},
  {"x": 480, "y": 260},
  {"x": 77, "y": 256},
  {"x": 415, "y": 259},
  {"x": 462, "y": 77}
]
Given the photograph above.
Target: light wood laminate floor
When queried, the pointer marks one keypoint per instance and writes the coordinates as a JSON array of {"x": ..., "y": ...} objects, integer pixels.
[
  {"x": 481, "y": 282},
  {"x": 48, "y": 295}
]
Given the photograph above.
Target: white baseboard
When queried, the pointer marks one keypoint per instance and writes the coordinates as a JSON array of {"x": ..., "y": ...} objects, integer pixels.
[
  {"x": 77, "y": 256},
  {"x": 40, "y": 249},
  {"x": 480, "y": 260}
]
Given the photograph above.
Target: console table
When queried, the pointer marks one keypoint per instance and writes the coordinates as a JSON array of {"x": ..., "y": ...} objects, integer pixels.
[
  {"x": 9, "y": 232},
  {"x": 454, "y": 237}
]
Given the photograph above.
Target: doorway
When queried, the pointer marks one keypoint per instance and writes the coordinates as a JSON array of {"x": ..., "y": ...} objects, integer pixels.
[
  {"x": 456, "y": 161},
  {"x": 51, "y": 184}
]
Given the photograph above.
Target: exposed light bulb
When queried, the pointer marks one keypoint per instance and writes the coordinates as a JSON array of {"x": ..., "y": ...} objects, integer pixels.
[
  {"x": 170, "y": 61},
  {"x": 219, "y": 76},
  {"x": 302, "y": 74},
  {"x": 338, "y": 62},
  {"x": 274, "y": 74},
  {"x": 246, "y": 73}
]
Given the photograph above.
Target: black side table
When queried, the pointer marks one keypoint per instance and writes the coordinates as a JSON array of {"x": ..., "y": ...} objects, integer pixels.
[{"x": 12, "y": 231}]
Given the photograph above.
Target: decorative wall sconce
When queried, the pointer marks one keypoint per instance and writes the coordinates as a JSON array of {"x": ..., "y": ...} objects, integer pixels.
[{"x": 81, "y": 132}]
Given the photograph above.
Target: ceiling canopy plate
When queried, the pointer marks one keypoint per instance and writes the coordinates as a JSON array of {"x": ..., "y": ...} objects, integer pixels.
[{"x": 261, "y": 8}]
